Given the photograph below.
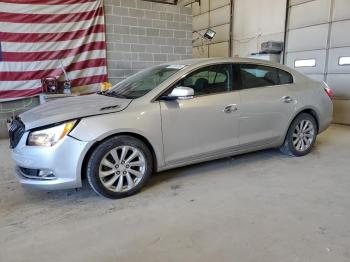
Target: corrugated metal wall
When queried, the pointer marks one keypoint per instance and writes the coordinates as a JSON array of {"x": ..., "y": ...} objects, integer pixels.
[
  {"x": 318, "y": 35},
  {"x": 217, "y": 16}
]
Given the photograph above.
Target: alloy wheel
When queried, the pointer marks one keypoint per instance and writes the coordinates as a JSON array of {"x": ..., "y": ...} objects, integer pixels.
[
  {"x": 303, "y": 135},
  {"x": 122, "y": 168}
]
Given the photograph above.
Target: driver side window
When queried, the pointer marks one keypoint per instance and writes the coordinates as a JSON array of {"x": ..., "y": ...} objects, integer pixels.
[{"x": 209, "y": 80}]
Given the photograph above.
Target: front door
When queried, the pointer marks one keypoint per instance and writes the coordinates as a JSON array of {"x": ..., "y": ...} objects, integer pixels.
[{"x": 207, "y": 124}]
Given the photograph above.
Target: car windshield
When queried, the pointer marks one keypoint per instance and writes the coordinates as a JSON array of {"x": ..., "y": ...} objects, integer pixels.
[{"x": 141, "y": 83}]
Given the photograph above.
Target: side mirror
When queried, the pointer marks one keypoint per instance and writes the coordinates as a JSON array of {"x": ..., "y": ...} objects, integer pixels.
[{"x": 182, "y": 93}]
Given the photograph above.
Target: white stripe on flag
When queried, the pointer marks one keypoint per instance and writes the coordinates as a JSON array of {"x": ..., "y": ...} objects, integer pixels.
[
  {"x": 93, "y": 71},
  {"x": 19, "y": 85}
]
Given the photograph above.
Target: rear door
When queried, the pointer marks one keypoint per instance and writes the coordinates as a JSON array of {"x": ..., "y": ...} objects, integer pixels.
[
  {"x": 207, "y": 124},
  {"x": 267, "y": 103}
]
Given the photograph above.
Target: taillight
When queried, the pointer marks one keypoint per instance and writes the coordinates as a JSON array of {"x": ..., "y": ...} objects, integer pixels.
[{"x": 329, "y": 91}]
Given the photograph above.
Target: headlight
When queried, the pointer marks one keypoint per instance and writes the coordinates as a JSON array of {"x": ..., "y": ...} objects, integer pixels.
[{"x": 50, "y": 136}]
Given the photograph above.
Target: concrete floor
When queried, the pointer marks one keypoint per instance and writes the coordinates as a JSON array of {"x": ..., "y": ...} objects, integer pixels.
[{"x": 257, "y": 207}]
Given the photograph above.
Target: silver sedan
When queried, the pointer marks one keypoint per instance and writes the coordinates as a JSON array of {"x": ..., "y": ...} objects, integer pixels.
[{"x": 168, "y": 116}]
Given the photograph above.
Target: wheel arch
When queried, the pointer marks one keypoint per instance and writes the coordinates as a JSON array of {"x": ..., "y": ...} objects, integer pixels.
[
  {"x": 308, "y": 110},
  {"x": 313, "y": 113},
  {"x": 127, "y": 133}
]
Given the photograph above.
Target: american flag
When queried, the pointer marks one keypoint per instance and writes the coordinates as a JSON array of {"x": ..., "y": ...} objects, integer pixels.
[{"x": 37, "y": 35}]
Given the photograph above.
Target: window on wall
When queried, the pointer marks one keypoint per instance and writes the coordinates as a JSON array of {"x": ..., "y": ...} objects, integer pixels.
[
  {"x": 209, "y": 80},
  {"x": 344, "y": 60},
  {"x": 259, "y": 76},
  {"x": 305, "y": 63}
]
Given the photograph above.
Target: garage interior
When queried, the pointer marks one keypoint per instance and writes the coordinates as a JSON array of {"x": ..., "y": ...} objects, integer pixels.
[{"x": 261, "y": 206}]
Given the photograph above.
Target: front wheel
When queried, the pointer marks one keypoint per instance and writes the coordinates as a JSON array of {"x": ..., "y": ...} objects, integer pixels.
[
  {"x": 301, "y": 136},
  {"x": 119, "y": 167}
]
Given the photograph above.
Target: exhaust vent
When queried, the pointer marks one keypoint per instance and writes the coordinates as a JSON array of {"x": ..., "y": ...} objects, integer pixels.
[{"x": 109, "y": 107}]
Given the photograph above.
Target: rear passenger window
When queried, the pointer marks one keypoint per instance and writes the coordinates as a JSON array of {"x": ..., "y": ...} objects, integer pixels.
[
  {"x": 259, "y": 76},
  {"x": 285, "y": 77}
]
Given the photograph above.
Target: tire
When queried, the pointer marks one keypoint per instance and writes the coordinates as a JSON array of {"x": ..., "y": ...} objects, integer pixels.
[
  {"x": 296, "y": 136},
  {"x": 119, "y": 167}
]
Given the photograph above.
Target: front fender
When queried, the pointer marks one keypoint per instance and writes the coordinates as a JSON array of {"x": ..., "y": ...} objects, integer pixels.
[{"x": 145, "y": 122}]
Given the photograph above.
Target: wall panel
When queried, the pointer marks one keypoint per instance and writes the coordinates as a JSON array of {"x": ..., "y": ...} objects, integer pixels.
[
  {"x": 308, "y": 38},
  {"x": 319, "y": 30},
  {"x": 318, "y": 55},
  {"x": 341, "y": 82},
  {"x": 340, "y": 33},
  {"x": 333, "y": 62},
  {"x": 341, "y": 10},
  {"x": 300, "y": 14}
]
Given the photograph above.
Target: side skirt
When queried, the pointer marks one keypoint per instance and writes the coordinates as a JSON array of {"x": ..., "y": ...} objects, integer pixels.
[{"x": 213, "y": 155}]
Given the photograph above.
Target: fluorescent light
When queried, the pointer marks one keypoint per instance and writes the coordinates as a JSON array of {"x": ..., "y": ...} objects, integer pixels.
[
  {"x": 344, "y": 60},
  {"x": 305, "y": 63}
]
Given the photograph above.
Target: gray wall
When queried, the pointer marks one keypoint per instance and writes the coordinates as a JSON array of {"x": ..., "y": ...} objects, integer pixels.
[
  {"x": 141, "y": 34},
  {"x": 318, "y": 29}
]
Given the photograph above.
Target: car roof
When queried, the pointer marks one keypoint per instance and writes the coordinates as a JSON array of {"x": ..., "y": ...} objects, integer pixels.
[{"x": 204, "y": 61}]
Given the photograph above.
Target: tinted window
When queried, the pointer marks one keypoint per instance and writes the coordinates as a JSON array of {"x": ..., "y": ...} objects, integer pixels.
[
  {"x": 285, "y": 77},
  {"x": 259, "y": 76},
  {"x": 209, "y": 80}
]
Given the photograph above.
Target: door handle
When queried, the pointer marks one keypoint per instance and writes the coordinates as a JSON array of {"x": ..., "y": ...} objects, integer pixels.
[
  {"x": 230, "y": 108},
  {"x": 287, "y": 99}
]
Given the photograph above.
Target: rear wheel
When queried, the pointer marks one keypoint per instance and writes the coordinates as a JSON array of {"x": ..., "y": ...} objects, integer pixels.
[
  {"x": 301, "y": 136},
  {"x": 119, "y": 167}
]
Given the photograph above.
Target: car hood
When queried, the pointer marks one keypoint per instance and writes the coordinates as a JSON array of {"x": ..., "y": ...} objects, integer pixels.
[{"x": 72, "y": 108}]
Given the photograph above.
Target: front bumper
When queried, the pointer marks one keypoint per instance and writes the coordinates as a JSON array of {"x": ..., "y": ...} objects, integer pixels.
[{"x": 64, "y": 160}]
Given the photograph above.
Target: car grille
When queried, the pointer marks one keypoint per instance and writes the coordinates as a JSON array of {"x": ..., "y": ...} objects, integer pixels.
[{"x": 16, "y": 132}]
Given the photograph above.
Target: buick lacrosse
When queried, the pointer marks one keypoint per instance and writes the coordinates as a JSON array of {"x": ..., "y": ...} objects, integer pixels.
[{"x": 168, "y": 116}]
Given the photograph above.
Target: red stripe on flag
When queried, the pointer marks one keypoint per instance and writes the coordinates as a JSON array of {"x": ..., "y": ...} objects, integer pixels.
[
  {"x": 20, "y": 93},
  {"x": 50, "y": 18},
  {"x": 50, "y": 37},
  {"x": 89, "y": 80},
  {"x": 51, "y": 55},
  {"x": 39, "y": 74},
  {"x": 46, "y": 2}
]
